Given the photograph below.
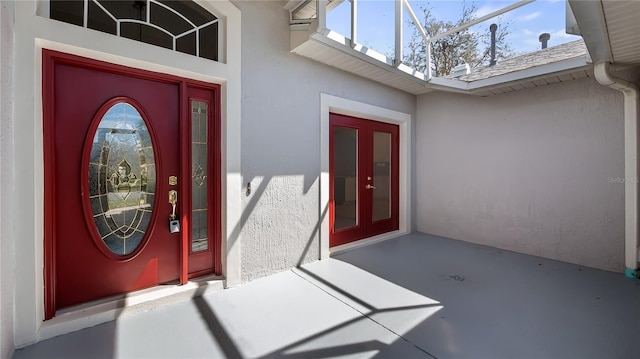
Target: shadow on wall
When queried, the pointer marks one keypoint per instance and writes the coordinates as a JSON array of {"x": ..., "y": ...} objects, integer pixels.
[
  {"x": 256, "y": 193},
  {"x": 107, "y": 341}
]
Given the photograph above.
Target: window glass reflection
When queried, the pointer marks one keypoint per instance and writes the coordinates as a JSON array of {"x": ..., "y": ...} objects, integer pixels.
[
  {"x": 345, "y": 180},
  {"x": 122, "y": 177},
  {"x": 199, "y": 159}
]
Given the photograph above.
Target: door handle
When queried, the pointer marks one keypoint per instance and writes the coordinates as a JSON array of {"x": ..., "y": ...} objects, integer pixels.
[
  {"x": 370, "y": 187},
  {"x": 173, "y": 199}
]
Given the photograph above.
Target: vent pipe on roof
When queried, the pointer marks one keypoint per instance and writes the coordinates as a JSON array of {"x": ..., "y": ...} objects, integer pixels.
[
  {"x": 460, "y": 70},
  {"x": 543, "y": 38},
  {"x": 493, "y": 29}
]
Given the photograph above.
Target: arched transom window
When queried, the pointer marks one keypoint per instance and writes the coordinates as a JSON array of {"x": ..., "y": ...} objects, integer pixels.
[{"x": 182, "y": 26}]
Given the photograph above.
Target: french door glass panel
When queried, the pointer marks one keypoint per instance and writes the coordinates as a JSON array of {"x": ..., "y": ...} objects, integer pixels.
[
  {"x": 381, "y": 176},
  {"x": 345, "y": 177}
]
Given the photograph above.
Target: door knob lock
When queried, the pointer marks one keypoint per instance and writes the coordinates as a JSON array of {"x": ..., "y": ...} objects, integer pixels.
[{"x": 174, "y": 223}]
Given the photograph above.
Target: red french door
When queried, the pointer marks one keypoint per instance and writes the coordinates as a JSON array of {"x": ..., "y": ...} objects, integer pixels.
[
  {"x": 132, "y": 194},
  {"x": 364, "y": 178}
]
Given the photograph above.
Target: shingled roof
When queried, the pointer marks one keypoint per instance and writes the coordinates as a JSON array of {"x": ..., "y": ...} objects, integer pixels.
[{"x": 546, "y": 56}]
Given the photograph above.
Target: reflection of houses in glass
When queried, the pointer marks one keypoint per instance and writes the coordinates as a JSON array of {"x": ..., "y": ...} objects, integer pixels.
[
  {"x": 143, "y": 180},
  {"x": 122, "y": 177},
  {"x": 126, "y": 180}
]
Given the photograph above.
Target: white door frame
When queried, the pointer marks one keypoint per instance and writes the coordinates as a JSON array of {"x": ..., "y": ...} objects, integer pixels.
[
  {"x": 34, "y": 31},
  {"x": 329, "y": 103}
]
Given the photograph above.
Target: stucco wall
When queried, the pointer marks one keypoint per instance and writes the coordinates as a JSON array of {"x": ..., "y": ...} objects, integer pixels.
[
  {"x": 537, "y": 171},
  {"x": 281, "y": 139},
  {"x": 7, "y": 252}
]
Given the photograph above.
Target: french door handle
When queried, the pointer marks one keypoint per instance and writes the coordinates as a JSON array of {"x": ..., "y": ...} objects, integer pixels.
[{"x": 370, "y": 187}]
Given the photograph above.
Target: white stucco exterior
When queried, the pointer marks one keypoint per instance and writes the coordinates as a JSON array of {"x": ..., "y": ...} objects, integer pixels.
[
  {"x": 7, "y": 251},
  {"x": 536, "y": 171},
  {"x": 270, "y": 137},
  {"x": 281, "y": 140},
  {"x": 24, "y": 221}
]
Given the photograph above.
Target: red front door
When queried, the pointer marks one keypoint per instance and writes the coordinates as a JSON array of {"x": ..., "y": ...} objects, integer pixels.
[
  {"x": 118, "y": 151},
  {"x": 364, "y": 172}
]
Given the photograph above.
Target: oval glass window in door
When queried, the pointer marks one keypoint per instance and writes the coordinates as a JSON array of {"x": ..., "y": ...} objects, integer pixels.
[{"x": 122, "y": 178}]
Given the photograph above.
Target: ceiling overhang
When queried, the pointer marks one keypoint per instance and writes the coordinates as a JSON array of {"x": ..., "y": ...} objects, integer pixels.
[
  {"x": 610, "y": 29},
  {"x": 333, "y": 49}
]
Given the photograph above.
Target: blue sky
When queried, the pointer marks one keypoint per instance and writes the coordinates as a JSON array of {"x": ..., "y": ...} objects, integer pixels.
[{"x": 376, "y": 21}]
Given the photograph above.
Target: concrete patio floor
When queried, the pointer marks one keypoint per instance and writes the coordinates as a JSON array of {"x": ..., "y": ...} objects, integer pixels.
[{"x": 416, "y": 296}]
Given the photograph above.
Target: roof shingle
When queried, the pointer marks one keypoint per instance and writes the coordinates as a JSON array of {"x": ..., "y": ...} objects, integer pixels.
[{"x": 546, "y": 56}]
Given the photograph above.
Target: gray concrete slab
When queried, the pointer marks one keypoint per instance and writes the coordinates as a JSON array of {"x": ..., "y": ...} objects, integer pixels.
[
  {"x": 416, "y": 296},
  {"x": 500, "y": 304}
]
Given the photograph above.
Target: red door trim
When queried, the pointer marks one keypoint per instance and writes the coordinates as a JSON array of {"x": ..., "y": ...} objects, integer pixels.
[
  {"x": 185, "y": 150},
  {"x": 341, "y": 236},
  {"x": 85, "y": 175},
  {"x": 216, "y": 182},
  {"x": 386, "y": 225},
  {"x": 194, "y": 93},
  {"x": 217, "y": 170},
  {"x": 49, "y": 59},
  {"x": 49, "y": 197}
]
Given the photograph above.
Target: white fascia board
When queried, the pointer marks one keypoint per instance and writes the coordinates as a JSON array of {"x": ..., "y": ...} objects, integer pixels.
[
  {"x": 358, "y": 48},
  {"x": 538, "y": 71},
  {"x": 559, "y": 67},
  {"x": 449, "y": 84},
  {"x": 411, "y": 71},
  {"x": 590, "y": 18},
  {"x": 340, "y": 43}
]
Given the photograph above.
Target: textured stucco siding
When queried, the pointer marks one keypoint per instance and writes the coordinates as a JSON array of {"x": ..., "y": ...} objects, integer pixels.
[
  {"x": 7, "y": 252},
  {"x": 537, "y": 171},
  {"x": 281, "y": 139}
]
